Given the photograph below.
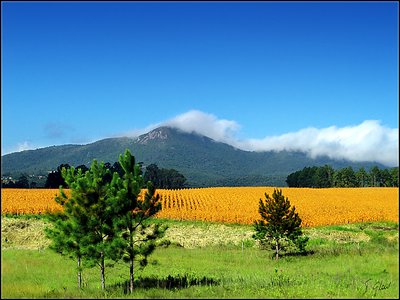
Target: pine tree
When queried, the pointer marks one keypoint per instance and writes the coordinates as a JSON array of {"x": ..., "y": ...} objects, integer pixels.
[
  {"x": 137, "y": 235},
  {"x": 362, "y": 177},
  {"x": 65, "y": 233},
  {"x": 375, "y": 175},
  {"x": 280, "y": 225},
  {"x": 65, "y": 240},
  {"x": 394, "y": 172},
  {"x": 85, "y": 228}
]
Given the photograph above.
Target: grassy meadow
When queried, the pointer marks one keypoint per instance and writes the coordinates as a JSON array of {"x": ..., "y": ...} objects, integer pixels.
[{"x": 212, "y": 260}]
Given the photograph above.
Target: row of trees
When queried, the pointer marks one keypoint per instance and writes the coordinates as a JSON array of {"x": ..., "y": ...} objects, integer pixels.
[
  {"x": 161, "y": 178},
  {"x": 326, "y": 176},
  {"x": 106, "y": 218},
  {"x": 21, "y": 183},
  {"x": 164, "y": 178}
]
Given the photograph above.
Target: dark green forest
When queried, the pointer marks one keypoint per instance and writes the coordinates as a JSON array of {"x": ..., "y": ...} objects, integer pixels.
[
  {"x": 326, "y": 177},
  {"x": 160, "y": 177}
]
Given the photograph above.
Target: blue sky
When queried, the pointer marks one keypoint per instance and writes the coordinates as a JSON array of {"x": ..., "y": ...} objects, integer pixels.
[{"x": 76, "y": 72}]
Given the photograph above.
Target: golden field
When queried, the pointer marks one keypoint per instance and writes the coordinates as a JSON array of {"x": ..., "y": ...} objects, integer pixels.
[{"x": 240, "y": 204}]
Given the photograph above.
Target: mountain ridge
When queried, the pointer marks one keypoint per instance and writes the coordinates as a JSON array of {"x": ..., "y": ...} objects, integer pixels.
[{"x": 202, "y": 160}]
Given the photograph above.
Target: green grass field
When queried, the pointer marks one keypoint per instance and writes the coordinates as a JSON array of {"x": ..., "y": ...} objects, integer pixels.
[{"x": 211, "y": 260}]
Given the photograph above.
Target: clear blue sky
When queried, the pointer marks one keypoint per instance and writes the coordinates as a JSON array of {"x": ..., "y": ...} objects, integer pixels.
[{"x": 81, "y": 71}]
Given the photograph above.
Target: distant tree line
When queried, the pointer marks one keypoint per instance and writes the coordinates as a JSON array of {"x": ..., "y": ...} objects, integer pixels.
[
  {"x": 21, "y": 183},
  {"x": 325, "y": 177},
  {"x": 161, "y": 178},
  {"x": 164, "y": 178}
]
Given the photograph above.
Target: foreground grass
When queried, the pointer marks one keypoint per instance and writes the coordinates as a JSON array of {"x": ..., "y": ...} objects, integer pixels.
[{"x": 349, "y": 261}]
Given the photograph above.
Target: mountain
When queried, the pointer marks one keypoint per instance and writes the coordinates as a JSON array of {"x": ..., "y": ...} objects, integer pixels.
[{"x": 203, "y": 161}]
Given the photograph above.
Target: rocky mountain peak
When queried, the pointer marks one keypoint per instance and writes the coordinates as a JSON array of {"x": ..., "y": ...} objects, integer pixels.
[{"x": 159, "y": 134}]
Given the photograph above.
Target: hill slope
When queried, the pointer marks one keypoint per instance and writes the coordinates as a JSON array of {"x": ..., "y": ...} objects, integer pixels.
[{"x": 203, "y": 161}]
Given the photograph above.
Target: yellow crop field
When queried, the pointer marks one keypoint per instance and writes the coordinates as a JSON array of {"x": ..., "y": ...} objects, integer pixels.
[
  {"x": 315, "y": 206},
  {"x": 240, "y": 204},
  {"x": 29, "y": 201}
]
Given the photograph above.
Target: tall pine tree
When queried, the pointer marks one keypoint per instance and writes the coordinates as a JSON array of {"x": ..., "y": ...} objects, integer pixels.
[
  {"x": 137, "y": 236},
  {"x": 66, "y": 233}
]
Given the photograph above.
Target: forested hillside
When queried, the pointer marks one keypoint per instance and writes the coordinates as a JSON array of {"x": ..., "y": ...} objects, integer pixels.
[{"x": 203, "y": 161}]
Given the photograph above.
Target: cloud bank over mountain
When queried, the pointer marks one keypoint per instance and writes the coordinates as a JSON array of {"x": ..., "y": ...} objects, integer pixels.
[
  {"x": 209, "y": 125},
  {"x": 368, "y": 141}
]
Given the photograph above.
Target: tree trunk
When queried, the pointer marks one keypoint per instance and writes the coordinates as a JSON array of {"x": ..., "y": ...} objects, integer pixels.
[
  {"x": 131, "y": 275},
  {"x": 276, "y": 250},
  {"x": 103, "y": 284},
  {"x": 79, "y": 273}
]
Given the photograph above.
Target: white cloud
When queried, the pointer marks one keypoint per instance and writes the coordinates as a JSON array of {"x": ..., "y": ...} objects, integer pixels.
[
  {"x": 206, "y": 124},
  {"x": 24, "y": 146},
  {"x": 199, "y": 122},
  {"x": 367, "y": 141}
]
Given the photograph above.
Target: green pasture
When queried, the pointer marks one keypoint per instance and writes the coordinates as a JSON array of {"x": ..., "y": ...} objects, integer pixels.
[{"x": 212, "y": 260}]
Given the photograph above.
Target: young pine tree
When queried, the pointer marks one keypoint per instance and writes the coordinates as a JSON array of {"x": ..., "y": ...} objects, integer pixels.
[
  {"x": 137, "y": 236},
  {"x": 280, "y": 225},
  {"x": 85, "y": 228},
  {"x": 65, "y": 239},
  {"x": 66, "y": 234}
]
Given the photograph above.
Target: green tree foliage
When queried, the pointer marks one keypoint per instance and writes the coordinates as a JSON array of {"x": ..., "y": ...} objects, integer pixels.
[
  {"x": 33, "y": 185},
  {"x": 304, "y": 178},
  {"x": 280, "y": 226},
  {"x": 345, "y": 177},
  {"x": 375, "y": 174},
  {"x": 394, "y": 173},
  {"x": 362, "y": 177},
  {"x": 152, "y": 173},
  {"x": 116, "y": 167},
  {"x": 164, "y": 178},
  {"x": 326, "y": 176},
  {"x": 386, "y": 178},
  {"x": 86, "y": 224},
  {"x": 106, "y": 217},
  {"x": 7, "y": 184},
  {"x": 23, "y": 182},
  {"x": 66, "y": 234},
  {"x": 54, "y": 179},
  {"x": 172, "y": 179},
  {"x": 138, "y": 236},
  {"x": 83, "y": 168}
]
